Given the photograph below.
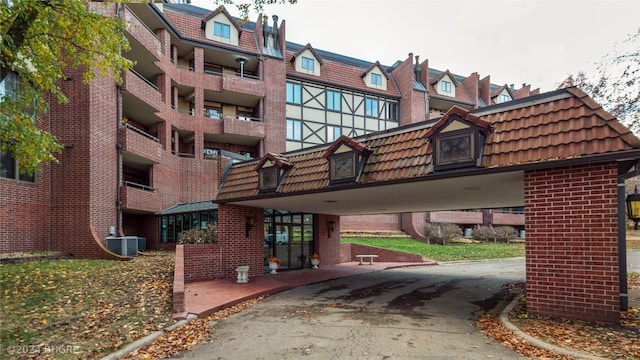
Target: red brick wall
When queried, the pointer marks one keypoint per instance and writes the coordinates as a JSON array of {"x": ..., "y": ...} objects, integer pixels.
[
  {"x": 327, "y": 243},
  {"x": 238, "y": 249},
  {"x": 572, "y": 254},
  {"x": 201, "y": 262},
  {"x": 371, "y": 222}
]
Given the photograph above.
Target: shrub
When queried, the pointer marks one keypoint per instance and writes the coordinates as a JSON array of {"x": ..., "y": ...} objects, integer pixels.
[
  {"x": 208, "y": 235},
  {"x": 442, "y": 232},
  {"x": 495, "y": 234}
]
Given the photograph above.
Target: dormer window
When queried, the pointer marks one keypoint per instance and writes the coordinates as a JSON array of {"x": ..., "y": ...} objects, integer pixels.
[
  {"x": 271, "y": 171},
  {"x": 445, "y": 84},
  {"x": 457, "y": 139},
  {"x": 346, "y": 159},
  {"x": 503, "y": 98},
  {"x": 307, "y": 63},
  {"x": 375, "y": 77},
  {"x": 221, "y": 30}
]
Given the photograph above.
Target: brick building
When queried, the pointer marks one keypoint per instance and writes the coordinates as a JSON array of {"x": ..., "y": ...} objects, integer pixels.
[{"x": 146, "y": 157}]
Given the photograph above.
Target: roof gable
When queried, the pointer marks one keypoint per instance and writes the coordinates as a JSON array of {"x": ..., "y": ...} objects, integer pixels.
[{"x": 311, "y": 49}]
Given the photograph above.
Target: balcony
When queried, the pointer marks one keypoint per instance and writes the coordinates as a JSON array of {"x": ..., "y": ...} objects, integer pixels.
[
  {"x": 140, "y": 88},
  {"x": 243, "y": 127},
  {"x": 247, "y": 85},
  {"x": 139, "y": 197},
  {"x": 142, "y": 34},
  {"x": 457, "y": 217},
  {"x": 140, "y": 143},
  {"x": 506, "y": 219}
]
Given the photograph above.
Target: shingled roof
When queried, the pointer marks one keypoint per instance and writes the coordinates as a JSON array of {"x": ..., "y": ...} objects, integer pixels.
[{"x": 542, "y": 129}]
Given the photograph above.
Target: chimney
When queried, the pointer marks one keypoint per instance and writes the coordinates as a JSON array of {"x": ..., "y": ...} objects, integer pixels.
[
  {"x": 274, "y": 32},
  {"x": 416, "y": 68},
  {"x": 265, "y": 30}
]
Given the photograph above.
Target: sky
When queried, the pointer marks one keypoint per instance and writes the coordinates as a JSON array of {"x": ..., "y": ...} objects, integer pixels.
[{"x": 514, "y": 41}]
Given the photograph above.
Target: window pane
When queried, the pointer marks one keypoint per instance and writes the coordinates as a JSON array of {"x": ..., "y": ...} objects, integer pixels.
[
  {"x": 307, "y": 63},
  {"x": 293, "y": 93},
  {"x": 333, "y": 100},
  {"x": 7, "y": 166},
  {"x": 294, "y": 131},
  {"x": 222, "y": 30},
  {"x": 371, "y": 107}
]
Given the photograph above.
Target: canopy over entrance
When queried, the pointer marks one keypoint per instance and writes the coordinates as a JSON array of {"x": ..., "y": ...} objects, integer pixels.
[{"x": 559, "y": 154}]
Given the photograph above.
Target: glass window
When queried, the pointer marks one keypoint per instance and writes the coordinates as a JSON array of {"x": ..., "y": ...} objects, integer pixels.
[
  {"x": 371, "y": 107},
  {"x": 333, "y": 132},
  {"x": 294, "y": 130},
  {"x": 268, "y": 178},
  {"x": 333, "y": 100},
  {"x": 445, "y": 86},
  {"x": 343, "y": 166},
  {"x": 221, "y": 30},
  {"x": 504, "y": 98},
  {"x": 308, "y": 63},
  {"x": 376, "y": 79},
  {"x": 212, "y": 112},
  {"x": 392, "y": 111},
  {"x": 294, "y": 93},
  {"x": 9, "y": 168},
  {"x": 455, "y": 149}
]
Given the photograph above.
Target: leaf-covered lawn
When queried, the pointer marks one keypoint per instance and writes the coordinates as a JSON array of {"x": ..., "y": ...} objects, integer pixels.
[
  {"x": 453, "y": 252},
  {"x": 82, "y": 308}
]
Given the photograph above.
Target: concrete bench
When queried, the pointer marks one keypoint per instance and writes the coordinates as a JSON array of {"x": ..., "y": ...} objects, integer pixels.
[{"x": 370, "y": 257}]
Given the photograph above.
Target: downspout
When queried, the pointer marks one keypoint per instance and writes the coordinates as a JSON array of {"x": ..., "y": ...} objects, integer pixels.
[
  {"x": 622, "y": 245},
  {"x": 118, "y": 153}
]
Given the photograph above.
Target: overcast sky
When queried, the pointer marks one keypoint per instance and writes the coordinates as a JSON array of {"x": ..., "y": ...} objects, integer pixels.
[{"x": 515, "y": 42}]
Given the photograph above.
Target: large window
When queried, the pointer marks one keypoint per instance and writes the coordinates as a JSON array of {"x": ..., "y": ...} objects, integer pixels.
[
  {"x": 174, "y": 224},
  {"x": 371, "y": 107},
  {"x": 308, "y": 63},
  {"x": 221, "y": 30},
  {"x": 294, "y": 93},
  {"x": 333, "y": 100},
  {"x": 10, "y": 169},
  {"x": 294, "y": 130}
]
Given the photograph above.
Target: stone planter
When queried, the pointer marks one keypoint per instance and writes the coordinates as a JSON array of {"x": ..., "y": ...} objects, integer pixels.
[{"x": 274, "y": 267}]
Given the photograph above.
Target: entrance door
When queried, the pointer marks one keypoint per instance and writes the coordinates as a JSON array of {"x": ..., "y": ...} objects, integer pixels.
[{"x": 289, "y": 237}]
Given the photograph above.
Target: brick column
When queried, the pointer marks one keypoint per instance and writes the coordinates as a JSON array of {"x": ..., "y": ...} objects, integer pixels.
[
  {"x": 238, "y": 249},
  {"x": 572, "y": 254}
]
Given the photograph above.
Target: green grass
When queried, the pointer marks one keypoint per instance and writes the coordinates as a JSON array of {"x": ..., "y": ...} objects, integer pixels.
[{"x": 454, "y": 252}]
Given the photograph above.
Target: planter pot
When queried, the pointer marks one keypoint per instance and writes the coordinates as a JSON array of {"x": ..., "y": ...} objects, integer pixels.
[
  {"x": 315, "y": 263},
  {"x": 273, "y": 266},
  {"x": 243, "y": 274}
]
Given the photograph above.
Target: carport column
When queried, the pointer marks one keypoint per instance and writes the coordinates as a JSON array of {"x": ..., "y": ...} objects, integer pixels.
[
  {"x": 236, "y": 249},
  {"x": 572, "y": 254},
  {"x": 327, "y": 236}
]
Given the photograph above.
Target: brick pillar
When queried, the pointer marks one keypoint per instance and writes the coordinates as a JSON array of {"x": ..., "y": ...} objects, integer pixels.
[
  {"x": 572, "y": 255},
  {"x": 327, "y": 241},
  {"x": 237, "y": 248}
]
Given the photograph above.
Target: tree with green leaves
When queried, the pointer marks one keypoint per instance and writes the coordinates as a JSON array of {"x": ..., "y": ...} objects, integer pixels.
[
  {"x": 39, "y": 40},
  {"x": 246, "y": 6},
  {"x": 616, "y": 86}
]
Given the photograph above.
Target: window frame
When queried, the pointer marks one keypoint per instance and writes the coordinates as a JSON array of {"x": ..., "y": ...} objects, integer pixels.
[
  {"x": 334, "y": 176},
  {"x": 446, "y": 86},
  {"x": 294, "y": 93},
  {"x": 269, "y": 174},
  {"x": 11, "y": 170},
  {"x": 376, "y": 79},
  {"x": 475, "y": 141},
  {"x": 307, "y": 63},
  {"x": 334, "y": 131},
  {"x": 369, "y": 108},
  {"x": 295, "y": 132},
  {"x": 333, "y": 100},
  {"x": 222, "y": 30}
]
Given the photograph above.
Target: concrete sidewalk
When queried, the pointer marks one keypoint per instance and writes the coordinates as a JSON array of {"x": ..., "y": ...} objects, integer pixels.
[{"x": 206, "y": 297}]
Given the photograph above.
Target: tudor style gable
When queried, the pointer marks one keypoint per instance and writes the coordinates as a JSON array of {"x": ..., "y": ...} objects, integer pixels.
[
  {"x": 346, "y": 158},
  {"x": 271, "y": 171},
  {"x": 220, "y": 26},
  {"x": 376, "y": 77},
  {"x": 445, "y": 84},
  {"x": 457, "y": 139},
  {"x": 307, "y": 60}
]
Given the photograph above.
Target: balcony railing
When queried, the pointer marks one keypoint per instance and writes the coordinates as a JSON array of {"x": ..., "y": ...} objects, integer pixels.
[
  {"x": 144, "y": 79},
  {"x": 139, "y": 186},
  {"x": 141, "y": 132}
]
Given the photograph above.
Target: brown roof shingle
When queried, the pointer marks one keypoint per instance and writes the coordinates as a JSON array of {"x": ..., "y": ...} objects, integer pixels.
[{"x": 564, "y": 124}]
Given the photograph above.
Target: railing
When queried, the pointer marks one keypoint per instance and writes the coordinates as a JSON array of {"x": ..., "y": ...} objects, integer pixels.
[
  {"x": 187, "y": 155},
  {"x": 141, "y": 22},
  {"x": 144, "y": 79},
  {"x": 139, "y": 186},
  {"x": 141, "y": 132},
  {"x": 184, "y": 67},
  {"x": 181, "y": 111}
]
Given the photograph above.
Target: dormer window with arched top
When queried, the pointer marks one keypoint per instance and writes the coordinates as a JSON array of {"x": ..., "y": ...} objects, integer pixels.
[
  {"x": 346, "y": 159},
  {"x": 271, "y": 171}
]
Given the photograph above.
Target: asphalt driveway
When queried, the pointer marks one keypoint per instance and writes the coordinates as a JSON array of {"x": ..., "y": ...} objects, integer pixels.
[{"x": 410, "y": 313}]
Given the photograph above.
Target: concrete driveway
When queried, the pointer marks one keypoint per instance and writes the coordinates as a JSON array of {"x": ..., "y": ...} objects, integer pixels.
[{"x": 408, "y": 313}]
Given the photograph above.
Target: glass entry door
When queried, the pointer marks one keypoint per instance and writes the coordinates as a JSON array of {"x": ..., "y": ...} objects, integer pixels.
[{"x": 288, "y": 237}]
